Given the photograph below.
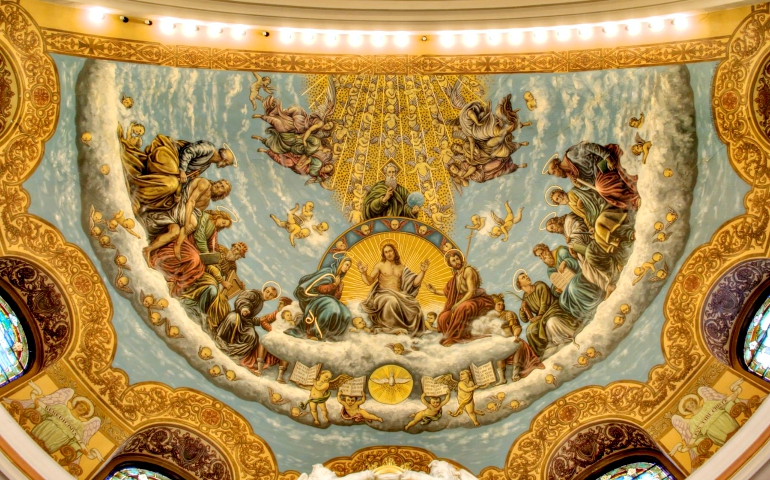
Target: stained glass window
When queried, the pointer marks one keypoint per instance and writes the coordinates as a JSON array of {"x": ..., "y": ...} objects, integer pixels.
[
  {"x": 637, "y": 471},
  {"x": 134, "y": 473},
  {"x": 756, "y": 346},
  {"x": 14, "y": 350}
]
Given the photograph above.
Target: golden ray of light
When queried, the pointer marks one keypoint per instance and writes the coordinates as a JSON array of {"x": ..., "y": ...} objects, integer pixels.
[{"x": 413, "y": 250}]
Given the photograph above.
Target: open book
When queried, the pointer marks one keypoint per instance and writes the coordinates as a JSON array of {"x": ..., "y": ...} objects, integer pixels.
[
  {"x": 560, "y": 280},
  {"x": 433, "y": 388},
  {"x": 483, "y": 375},
  {"x": 354, "y": 387},
  {"x": 303, "y": 375}
]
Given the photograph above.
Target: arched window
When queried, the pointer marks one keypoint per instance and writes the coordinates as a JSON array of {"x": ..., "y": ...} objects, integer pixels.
[
  {"x": 135, "y": 472},
  {"x": 14, "y": 347},
  {"x": 637, "y": 471},
  {"x": 756, "y": 345}
]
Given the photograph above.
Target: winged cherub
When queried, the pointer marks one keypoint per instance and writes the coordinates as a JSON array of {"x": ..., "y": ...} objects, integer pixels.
[
  {"x": 320, "y": 391},
  {"x": 261, "y": 83},
  {"x": 504, "y": 225}
]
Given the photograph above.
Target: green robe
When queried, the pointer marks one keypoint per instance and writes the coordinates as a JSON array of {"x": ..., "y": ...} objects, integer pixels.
[
  {"x": 396, "y": 206},
  {"x": 714, "y": 421},
  {"x": 543, "y": 304},
  {"x": 58, "y": 428}
]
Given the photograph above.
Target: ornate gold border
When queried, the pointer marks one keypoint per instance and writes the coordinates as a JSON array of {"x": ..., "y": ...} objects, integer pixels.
[
  {"x": 93, "y": 345},
  {"x": 93, "y": 46}
]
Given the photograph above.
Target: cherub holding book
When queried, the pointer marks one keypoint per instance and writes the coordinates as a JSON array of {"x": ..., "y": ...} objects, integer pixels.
[
  {"x": 432, "y": 391},
  {"x": 465, "y": 401},
  {"x": 320, "y": 391}
]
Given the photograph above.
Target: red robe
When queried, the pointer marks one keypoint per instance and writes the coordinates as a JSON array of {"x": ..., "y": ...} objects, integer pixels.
[
  {"x": 454, "y": 326},
  {"x": 181, "y": 274}
]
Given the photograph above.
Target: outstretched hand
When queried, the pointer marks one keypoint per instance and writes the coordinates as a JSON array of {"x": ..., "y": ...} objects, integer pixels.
[
  {"x": 388, "y": 194},
  {"x": 361, "y": 267},
  {"x": 424, "y": 265}
]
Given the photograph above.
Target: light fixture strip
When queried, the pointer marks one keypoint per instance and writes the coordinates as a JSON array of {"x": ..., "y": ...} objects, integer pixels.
[{"x": 468, "y": 38}]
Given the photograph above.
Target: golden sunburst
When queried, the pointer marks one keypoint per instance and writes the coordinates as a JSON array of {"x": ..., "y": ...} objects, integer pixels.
[
  {"x": 413, "y": 250},
  {"x": 390, "y": 384}
]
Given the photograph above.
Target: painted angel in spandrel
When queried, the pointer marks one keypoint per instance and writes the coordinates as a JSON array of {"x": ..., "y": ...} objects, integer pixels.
[
  {"x": 705, "y": 416},
  {"x": 66, "y": 420}
]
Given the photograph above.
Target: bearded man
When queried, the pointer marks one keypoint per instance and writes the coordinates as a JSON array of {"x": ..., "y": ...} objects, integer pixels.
[{"x": 387, "y": 198}]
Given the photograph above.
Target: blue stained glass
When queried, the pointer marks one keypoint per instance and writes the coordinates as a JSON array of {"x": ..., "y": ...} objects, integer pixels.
[
  {"x": 133, "y": 473},
  {"x": 637, "y": 471},
  {"x": 14, "y": 350},
  {"x": 756, "y": 347}
]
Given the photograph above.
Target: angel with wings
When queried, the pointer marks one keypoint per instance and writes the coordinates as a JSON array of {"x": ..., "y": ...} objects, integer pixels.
[
  {"x": 393, "y": 224},
  {"x": 432, "y": 412},
  {"x": 430, "y": 191},
  {"x": 705, "y": 415},
  {"x": 441, "y": 216},
  {"x": 422, "y": 230},
  {"x": 422, "y": 166},
  {"x": 261, "y": 83},
  {"x": 641, "y": 147},
  {"x": 320, "y": 391},
  {"x": 65, "y": 421},
  {"x": 465, "y": 401},
  {"x": 504, "y": 226},
  {"x": 293, "y": 130}
]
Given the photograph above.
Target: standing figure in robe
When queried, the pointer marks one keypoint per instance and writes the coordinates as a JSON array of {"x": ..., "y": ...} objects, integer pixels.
[
  {"x": 465, "y": 300},
  {"x": 392, "y": 304},
  {"x": 549, "y": 326},
  {"x": 324, "y": 317}
]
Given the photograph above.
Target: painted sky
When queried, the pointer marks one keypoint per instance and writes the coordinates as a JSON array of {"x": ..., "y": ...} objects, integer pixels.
[{"x": 214, "y": 105}]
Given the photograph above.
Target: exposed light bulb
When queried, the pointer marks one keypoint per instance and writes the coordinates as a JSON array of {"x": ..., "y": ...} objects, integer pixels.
[
  {"x": 563, "y": 34},
  {"x": 470, "y": 39},
  {"x": 540, "y": 35},
  {"x": 378, "y": 39},
  {"x": 515, "y": 37},
  {"x": 680, "y": 23},
  {"x": 286, "y": 36},
  {"x": 355, "y": 39},
  {"x": 238, "y": 31},
  {"x": 633, "y": 28},
  {"x": 586, "y": 31},
  {"x": 167, "y": 26},
  {"x": 610, "y": 29},
  {"x": 189, "y": 29},
  {"x": 215, "y": 31},
  {"x": 308, "y": 37},
  {"x": 401, "y": 39},
  {"x": 96, "y": 14},
  {"x": 656, "y": 24},
  {"x": 331, "y": 39},
  {"x": 446, "y": 39},
  {"x": 494, "y": 38}
]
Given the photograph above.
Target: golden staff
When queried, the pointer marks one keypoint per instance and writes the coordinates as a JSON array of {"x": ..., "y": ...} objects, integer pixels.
[{"x": 311, "y": 320}]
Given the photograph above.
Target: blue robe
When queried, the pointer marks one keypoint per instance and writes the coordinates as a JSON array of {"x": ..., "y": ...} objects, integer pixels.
[
  {"x": 580, "y": 297},
  {"x": 319, "y": 299}
]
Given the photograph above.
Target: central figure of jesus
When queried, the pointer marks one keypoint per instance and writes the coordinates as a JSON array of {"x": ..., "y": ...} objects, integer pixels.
[{"x": 392, "y": 304}]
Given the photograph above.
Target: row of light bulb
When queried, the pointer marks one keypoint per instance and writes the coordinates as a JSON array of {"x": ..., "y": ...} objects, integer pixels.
[{"x": 402, "y": 39}]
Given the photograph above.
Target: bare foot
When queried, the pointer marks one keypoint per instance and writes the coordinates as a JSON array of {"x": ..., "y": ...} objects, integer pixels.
[
  {"x": 523, "y": 165},
  {"x": 257, "y": 137},
  {"x": 256, "y": 115}
]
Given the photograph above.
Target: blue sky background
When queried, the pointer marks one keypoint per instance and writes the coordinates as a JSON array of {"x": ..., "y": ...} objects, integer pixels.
[{"x": 213, "y": 105}]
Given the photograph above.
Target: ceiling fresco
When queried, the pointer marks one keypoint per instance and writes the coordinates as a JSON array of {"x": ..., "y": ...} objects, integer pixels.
[{"x": 455, "y": 261}]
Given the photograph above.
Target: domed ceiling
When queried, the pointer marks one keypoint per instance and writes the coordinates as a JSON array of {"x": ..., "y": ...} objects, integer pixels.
[{"x": 339, "y": 255}]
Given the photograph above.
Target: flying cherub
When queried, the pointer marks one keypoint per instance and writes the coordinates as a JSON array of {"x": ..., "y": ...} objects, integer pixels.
[
  {"x": 364, "y": 231},
  {"x": 530, "y": 99},
  {"x": 477, "y": 222},
  {"x": 432, "y": 411},
  {"x": 359, "y": 325},
  {"x": 641, "y": 147},
  {"x": 671, "y": 217},
  {"x": 262, "y": 83},
  {"x": 290, "y": 225},
  {"x": 440, "y": 215},
  {"x": 504, "y": 226},
  {"x": 636, "y": 122},
  {"x": 307, "y": 210},
  {"x": 340, "y": 246},
  {"x": 398, "y": 349},
  {"x": 421, "y": 166},
  {"x": 661, "y": 274},
  {"x": 321, "y": 228},
  {"x": 276, "y": 398},
  {"x": 422, "y": 230},
  {"x": 649, "y": 266},
  {"x": 394, "y": 224},
  {"x": 320, "y": 391}
]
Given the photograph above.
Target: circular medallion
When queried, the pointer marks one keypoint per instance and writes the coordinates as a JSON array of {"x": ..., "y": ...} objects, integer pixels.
[
  {"x": 81, "y": 283},
  {"x": 210, "y": 416},
  {"x": 390, "y": 384},
  {"x": 692, "y": 283}
]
